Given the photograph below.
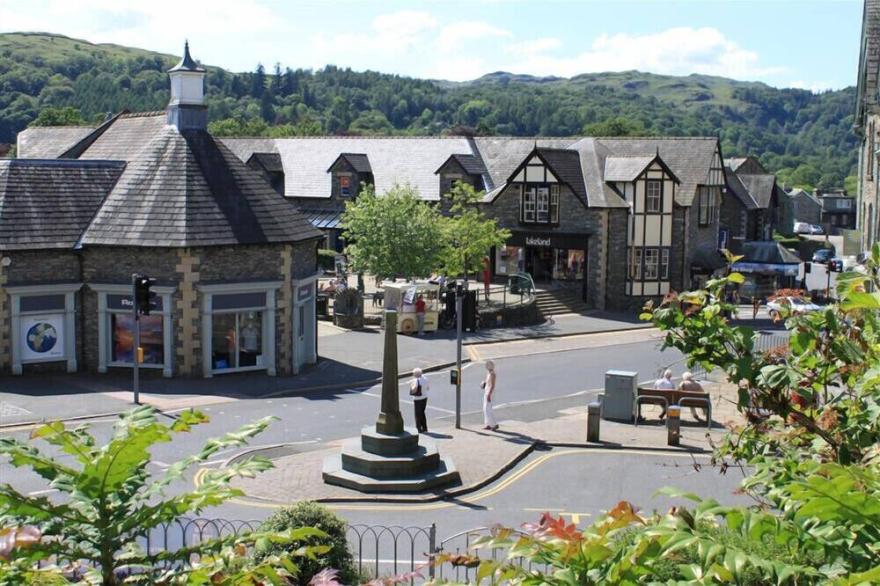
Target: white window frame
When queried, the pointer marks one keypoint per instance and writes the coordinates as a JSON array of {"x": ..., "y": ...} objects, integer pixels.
[
  {"x": 269, "y": 349},
  {"x": 652, "y": 264},
  {"x": 656, "y": 197},
  {"x": 543, "y": 205},
  {"x": 530, "y": 199},
  {"x": 554, "y": 203},
  {"x": 635, "y": 270},
  {"x": 69, "y": 291},
  {"x": 304, "y": 325},
  {"x": 664, "y": 264},
  {"x": 105, "y": 336}
]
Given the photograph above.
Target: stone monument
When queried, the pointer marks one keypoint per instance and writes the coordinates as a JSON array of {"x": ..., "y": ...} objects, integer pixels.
[{"x": 389, "y": 457}]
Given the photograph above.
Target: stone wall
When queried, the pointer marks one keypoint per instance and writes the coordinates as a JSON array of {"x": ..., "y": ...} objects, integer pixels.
[
  {"x": 5, "y": 322},
  {"x": 187, "y": 318},
  {"x": 616, "y": 272},
  {"x": 697, "y": 237},
  {"x": 284, "y": 312},
  {"x": 869, "y": 182}
]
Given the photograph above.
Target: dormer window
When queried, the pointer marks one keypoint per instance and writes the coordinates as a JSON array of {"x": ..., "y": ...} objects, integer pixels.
[
  {"x": 654, "y": 196},
  {"x": 345, "y": 189}
]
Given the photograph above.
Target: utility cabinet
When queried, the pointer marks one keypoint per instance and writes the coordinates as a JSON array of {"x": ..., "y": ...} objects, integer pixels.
[{"x": 620, "y": 395}]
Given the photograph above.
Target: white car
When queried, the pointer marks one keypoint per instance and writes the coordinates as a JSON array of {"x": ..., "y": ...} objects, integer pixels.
[
  {"x": 816, "y": 229},
  {"x": 801, "y": 228},
  {"x": 796, "y": 305}
]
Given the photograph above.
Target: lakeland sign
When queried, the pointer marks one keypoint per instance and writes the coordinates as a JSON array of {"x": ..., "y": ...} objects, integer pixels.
[{"x": 538, "y": 241}]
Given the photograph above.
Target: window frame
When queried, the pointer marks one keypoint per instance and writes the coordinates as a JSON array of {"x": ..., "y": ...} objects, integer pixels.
[
  {"x": 655, "y": 197},
  {"x": 537, "y": 201},
  {"x": 707, "y": 205}
]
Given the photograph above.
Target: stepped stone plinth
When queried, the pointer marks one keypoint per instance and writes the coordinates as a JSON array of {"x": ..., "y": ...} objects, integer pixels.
[{"x": 388, "y": 457}]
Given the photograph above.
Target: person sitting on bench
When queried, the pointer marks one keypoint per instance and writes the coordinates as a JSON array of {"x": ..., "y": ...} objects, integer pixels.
[
  {"x": 664, "y": 383},
  {"x": 689, "y": 384}
]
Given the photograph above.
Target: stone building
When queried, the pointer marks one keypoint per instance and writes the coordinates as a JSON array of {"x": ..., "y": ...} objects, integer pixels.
[
  {"x": 755, "y": 207},
  {"x": 235, "y": 263},
  {"x": 867, "y": 123}
]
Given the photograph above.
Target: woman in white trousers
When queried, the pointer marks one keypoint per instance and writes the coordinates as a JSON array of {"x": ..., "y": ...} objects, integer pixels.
[{"x": 488, "y": 394}]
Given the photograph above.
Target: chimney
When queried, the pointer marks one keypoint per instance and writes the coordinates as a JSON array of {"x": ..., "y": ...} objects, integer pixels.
[{"x": 187, "y": 109}]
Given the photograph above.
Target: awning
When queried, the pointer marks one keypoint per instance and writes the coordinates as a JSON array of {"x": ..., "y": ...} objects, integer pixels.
[
  {"x": 324, "y": 219},
  {"x": 760, "y": 268}
]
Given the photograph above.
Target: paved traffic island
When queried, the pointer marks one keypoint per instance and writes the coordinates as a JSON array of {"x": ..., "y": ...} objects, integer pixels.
[{"x": 482, "y": 457}]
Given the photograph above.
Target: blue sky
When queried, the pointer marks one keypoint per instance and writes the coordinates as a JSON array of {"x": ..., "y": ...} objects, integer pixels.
[{"x": 786, "y": 43}]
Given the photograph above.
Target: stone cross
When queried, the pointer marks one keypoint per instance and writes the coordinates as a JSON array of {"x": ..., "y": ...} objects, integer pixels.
[{"x": 390, "y": 421}]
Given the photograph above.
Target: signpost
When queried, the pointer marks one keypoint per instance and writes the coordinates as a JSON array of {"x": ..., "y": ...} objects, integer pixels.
[
  {"x": 136, "y": 344},
  {"x": 458, "y": 323}
]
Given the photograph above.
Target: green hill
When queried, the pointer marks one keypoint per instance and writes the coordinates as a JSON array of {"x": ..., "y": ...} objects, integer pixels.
[{"x": 806, "y": 138}]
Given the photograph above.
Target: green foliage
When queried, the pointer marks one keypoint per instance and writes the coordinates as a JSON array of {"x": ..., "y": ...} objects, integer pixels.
[
  {"x": 326, "y": 259},
  {"x": 110, "y": 499},
  {"x": 468, "y": 234},
  {"x": 806, "y": 137},
  {"x": 392, "y": 234},
  {"x": 811, "y": 437},
  {"x": 67, "y": 116},
  {"x": 310, "y": 514}
]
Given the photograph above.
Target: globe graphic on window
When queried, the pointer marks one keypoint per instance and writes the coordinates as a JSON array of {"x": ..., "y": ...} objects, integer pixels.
[{"x": 42, "y": 337}]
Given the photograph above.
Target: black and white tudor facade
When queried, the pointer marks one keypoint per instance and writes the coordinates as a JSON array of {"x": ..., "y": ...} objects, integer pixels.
[{"x": 618, "y": 219}]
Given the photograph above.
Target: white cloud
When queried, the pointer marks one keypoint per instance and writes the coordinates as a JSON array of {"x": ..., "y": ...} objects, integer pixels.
[
  {"x": 453, "y": 37},
  {"x": 675, "y": 51},
  {"x": 534, "y": 47},
  {"x": 815, "y": 87}
]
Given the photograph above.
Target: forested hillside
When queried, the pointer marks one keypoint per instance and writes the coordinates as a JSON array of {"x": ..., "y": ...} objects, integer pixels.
[{"x": 806, "y": 138}]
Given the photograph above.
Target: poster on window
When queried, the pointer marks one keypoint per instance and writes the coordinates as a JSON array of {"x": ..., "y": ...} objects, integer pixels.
[{"x": 42, "y": 337}]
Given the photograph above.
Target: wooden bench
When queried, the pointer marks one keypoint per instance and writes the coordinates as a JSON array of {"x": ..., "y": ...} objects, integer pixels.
[{"x": 665, "y": 398}]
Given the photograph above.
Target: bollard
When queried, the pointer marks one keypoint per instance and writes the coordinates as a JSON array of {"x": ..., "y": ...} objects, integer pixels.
[
  {"x": 673, "y": 425},
  {"x": 593, "y": 419}
]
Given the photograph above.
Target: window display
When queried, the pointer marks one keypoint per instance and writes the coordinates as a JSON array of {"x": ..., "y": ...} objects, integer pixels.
[
  {"x": 237, "y": 340},
  {"x": 509, "y": 260},
  {"x": 122, "y": 338},
  {"x": 569, "y": 265}
]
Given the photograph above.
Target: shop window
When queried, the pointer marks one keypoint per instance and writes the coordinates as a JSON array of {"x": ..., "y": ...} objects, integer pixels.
[
  {"x": 569, "y": 264},
  {"x": 152, "y": 338},
  {"x": 509, "y": 260},
  {"x": 237, "y": 340},
  {"x": 654, "y": 196}
]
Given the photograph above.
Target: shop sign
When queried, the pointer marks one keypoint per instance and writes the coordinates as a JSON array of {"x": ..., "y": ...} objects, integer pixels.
[
  {"x": 538, "y": 241},
  {"x": 304, "y": 292},
  {"x": 42, "y": 337},
  {"x": 123, "y": 303}
]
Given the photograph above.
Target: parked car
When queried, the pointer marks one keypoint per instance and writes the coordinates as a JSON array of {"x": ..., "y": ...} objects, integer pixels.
[
  {"x": 816, "y": 229},
  {"x": 823, "y": 255},
  {"x": 797, "y": 305},
  {"x": 801, "y": 228}
]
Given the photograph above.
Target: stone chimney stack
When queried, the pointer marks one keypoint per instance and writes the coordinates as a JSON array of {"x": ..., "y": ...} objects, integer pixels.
[{"x": 187, "y": 109}]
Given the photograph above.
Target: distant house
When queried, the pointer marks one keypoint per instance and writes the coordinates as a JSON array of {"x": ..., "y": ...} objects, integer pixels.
[
  {"x": 867, "y": 124},
  {"x": 838, "y": 210},
  {"x": 751, "y": 210},
  {"x": 81, "y": 210},
  {"x": 802, "y": 206}
]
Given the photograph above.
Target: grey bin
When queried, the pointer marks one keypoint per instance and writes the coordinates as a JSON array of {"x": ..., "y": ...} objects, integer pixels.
[{"x": 620, "y": 395}]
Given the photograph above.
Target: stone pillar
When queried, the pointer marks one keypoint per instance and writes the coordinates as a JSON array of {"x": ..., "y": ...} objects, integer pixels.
[
  {"x": 188, "y": 322},
  {"x": 390, "y": 420},
  {"x": 285, "y": 309}
]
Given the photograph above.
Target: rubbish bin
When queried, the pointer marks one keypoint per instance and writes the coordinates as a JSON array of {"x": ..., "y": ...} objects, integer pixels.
[
  {"x": 321, "y": 303},
  {"x": 620, "y": 395}
]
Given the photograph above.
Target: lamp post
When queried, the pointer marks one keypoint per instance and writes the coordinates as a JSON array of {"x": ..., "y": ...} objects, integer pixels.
[
  {"x": 458, "y": 324},
  {"x": 136, "y": 343}
]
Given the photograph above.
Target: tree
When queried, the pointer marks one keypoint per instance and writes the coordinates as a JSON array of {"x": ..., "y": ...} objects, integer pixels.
[
  {"x": 468, "y": 234},
  {"x": 111, "y": 500},
  {"x": 393, "y": 234},
  {"x": 617, "y": 126},
  {"x": 67, "y": 116}
]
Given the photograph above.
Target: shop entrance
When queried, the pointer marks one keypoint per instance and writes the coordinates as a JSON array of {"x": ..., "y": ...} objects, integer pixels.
[{"x": 539, "y": 263}]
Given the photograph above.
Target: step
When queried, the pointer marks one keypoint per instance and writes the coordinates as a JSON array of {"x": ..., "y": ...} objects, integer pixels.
[
  {"x": 423, "y": 459},
  {"x": 444, "y": 475},
  {"x": 386, "y": 444}
]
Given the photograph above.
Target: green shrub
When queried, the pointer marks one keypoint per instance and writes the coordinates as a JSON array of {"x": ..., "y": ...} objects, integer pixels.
[
  {"x": 326, "y": 259},
  {"x": 311, "y": 514}
]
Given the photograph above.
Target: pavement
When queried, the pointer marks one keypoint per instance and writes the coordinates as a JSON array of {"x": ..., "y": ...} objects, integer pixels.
[{"x": 483, "y": 457}]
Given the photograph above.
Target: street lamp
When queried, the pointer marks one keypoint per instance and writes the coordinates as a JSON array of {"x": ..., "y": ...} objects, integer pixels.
[{"x": 459, "y": 292}]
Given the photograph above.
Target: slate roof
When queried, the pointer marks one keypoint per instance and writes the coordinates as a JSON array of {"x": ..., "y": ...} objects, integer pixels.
[
  {"x": 121, "y": 138},
  {"x": 358, "y": 161},
  {"x": 48, "y": 203},
  {"x": 502, "y": 155},
  {"x": 625, "y": 168},
  {"x": 393, "y": 161},
  {"x": 324, "y": 219},
  {"x": 49, "y": 142},
  {"x": 760, "y": 187},
  {"x": 245, "y": 148},
  {"x": 769, "y": 252},
  {"x": 740, "y": 191},
  {"x": 187, "y": 189},
  {"x": 472, "y": 164},
  {"x": 566, "y": 165},
  {"x": 592, "y": 157},
  {"x": 269, "y": 161},
  {"x": 187, "y": 63},
  {"x": 689, "y": 158}
]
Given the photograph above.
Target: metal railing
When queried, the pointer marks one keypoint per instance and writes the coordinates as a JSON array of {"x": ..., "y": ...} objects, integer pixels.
[
  {"x": 462, "y": 543},
  {"x": 763, "y": 342},
  {"x": 377, "y": 550}
]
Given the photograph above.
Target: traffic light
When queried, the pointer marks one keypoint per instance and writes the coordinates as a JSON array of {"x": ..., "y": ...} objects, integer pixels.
[
  {"x": 144, "y": 298},
  {"x": 835, "y": 266}
]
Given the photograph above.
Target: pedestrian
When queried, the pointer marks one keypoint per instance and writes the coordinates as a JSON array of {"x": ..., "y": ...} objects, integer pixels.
[
  {"x": 418, "y": 390},
  {"x": 420, "y": 314},
  {"x": 488, "y": 387},
  {"x": 689, "y": 384},
  {"x": 664, "y": 383},
  {"x": 756, "y": 304},
  {"x": 487, "y": 275}
]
